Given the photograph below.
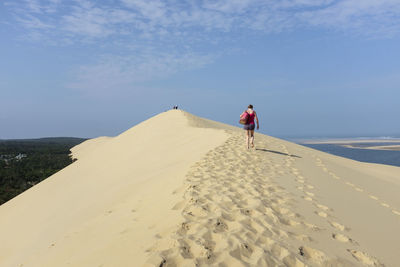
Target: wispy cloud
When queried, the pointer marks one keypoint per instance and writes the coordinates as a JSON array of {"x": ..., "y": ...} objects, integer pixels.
[
  {"x": 41, "y": 7},
  {"x": 183, "y": 28},
  {"x": 369, "y": 18},
  {"x": 32, "y": 22},
  {"x": 112, "y": 71},
  {"x": 160, "y": 18}
]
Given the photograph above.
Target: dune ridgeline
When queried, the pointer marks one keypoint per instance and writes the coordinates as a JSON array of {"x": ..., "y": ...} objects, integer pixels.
[{"x": 179, "y": 190}]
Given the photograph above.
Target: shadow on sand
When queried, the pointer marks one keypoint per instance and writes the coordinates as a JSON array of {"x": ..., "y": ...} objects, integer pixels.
[{"x": 277, "y": 152}]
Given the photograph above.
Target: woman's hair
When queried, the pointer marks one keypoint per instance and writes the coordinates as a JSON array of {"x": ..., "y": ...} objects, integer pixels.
[{"x": 250, "y": 106}]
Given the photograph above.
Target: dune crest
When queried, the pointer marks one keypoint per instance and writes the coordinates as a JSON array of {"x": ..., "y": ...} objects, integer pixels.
[{"x": 179, "y": 190}]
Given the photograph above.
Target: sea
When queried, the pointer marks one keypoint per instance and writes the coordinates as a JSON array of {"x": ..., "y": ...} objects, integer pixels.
[{"x": 388, "y": 157}]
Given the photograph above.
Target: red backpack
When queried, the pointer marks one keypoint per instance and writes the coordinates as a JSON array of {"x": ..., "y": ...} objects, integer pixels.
[{"x": 244, "y": 118}]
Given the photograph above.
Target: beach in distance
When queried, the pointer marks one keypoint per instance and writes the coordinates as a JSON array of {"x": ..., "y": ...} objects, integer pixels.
[
  {"x": 372, "y": 150},
  {"x": 180, "y": 190},
  {"x": 344, "y": 141},
  {"x": 370, "y": 143}
]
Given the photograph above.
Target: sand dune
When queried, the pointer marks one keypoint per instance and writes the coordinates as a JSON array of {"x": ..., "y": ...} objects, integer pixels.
[{"x": 178, "y": 190}]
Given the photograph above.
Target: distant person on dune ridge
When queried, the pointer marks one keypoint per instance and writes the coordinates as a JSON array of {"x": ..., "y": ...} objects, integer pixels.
[{"x": 248, "y": 116}]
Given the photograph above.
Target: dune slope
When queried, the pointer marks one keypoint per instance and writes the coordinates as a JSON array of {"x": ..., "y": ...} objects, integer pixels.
[{"x": 178, "y": 190}]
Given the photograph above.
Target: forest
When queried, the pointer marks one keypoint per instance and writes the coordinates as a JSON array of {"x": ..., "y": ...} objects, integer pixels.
[{"x": 26, "y": 162}]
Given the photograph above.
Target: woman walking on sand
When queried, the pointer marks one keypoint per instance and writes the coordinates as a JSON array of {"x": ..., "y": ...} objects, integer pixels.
[{"x": 249, "y": 125}]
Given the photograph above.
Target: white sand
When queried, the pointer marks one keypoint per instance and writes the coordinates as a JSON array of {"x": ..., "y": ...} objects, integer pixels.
[{"x": 178, "y": 190}]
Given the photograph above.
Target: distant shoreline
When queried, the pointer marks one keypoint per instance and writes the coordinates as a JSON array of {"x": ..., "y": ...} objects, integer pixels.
[
  {"x": 375, "y": 144},
  {"x": 379, "y": 147},
  {"x": 347, "y": 141},
  {"x": 374, "y": 151}
]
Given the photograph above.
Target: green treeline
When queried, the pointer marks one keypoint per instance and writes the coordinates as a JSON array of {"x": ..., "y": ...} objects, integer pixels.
[{"x": 26, "y": 162}]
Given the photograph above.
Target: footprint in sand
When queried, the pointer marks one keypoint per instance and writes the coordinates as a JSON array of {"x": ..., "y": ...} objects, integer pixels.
[
  {"x": 313, "y": 255},
  {"x": 385, "y": 205},
  {"x": 308, "y": 198},
  {"x": 301, "y": 237},
  {"x": 338, "y": 226},
  {"x": 240, "y": 251},
  {"x": 290, "y": 260},
  {"x": 321, "y": 214},
  {"x": 220, "y": 226},
  {"x": 343, "y": 238},
  {"x": 373, "y": 197},
  {"x": 322, "y": 207},
  {"x": 396, "y": 212},
  {"x": 289, "y": 222},
  {"x": 247, "y": 212},
  {"x": 311, "y": 226},
  {"x": 364, "y": 258},
  {"x": 279, "y": 251},
  {"x": 309, "y": 194}
]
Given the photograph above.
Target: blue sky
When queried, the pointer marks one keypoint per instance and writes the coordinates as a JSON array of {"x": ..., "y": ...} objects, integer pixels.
[{"x": 93, "y": 68}]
